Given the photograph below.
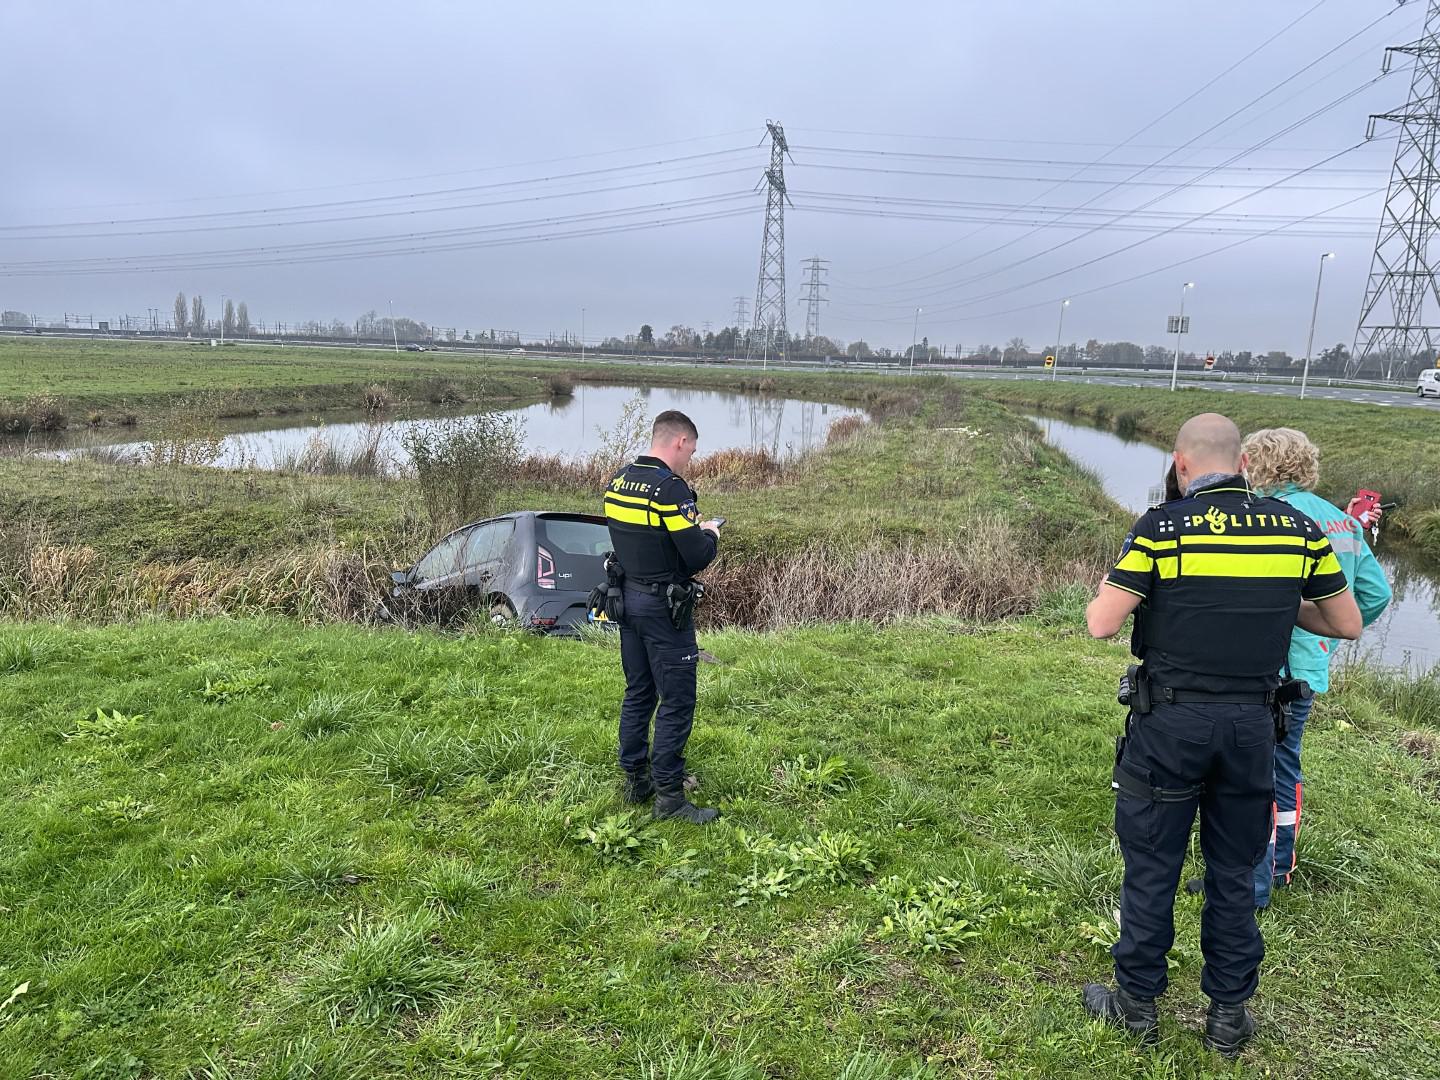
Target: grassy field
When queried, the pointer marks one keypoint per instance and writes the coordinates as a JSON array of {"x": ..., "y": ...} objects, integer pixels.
[
  {"x": 252, "y": 850},
  {"x": 110, "y": 382}
]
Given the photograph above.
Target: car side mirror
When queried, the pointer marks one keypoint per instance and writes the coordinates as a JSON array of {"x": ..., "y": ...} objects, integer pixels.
[{"x": 400, "y": 577}]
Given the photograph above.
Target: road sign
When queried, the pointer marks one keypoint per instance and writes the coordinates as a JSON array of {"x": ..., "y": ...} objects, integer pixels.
[
  {"x": 1177, "y": 324},
  {"x": 1209, "y": 363},
  {"x": 1049, "y": 361}
]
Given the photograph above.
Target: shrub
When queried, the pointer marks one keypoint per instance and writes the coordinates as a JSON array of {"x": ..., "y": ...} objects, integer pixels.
[
  {"x": 377, "y": 398},
  {"x": 560, "y": 386},
  {"x": 44, "y": 413},
  {"x": 461, "y": 464}
]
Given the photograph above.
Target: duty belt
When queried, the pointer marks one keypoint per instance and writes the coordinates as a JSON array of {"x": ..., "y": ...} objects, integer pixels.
[{"x": 1172, "y": 696}]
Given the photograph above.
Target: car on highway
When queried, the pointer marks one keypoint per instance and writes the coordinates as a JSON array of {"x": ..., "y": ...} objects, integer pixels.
[
  {"x": 1428, "y": 384},
  {"x": 532, "y": 568},
  {"x": 414, "y": 347}
]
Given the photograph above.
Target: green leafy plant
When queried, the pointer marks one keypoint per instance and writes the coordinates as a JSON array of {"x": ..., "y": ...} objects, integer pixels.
[
  {"x": 617, "y": 838},
  {"x": 220, "y": 690},
  {"x": 124, "y": 810},
  {"x": 937, "y": 917},
  {"x": 102, "y": 726}
]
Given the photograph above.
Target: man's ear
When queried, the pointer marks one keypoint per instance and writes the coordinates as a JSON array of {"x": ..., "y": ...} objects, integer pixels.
[{"x": 1244, "y": 462}]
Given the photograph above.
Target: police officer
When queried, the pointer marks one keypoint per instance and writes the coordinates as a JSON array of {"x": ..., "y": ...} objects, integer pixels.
[
  {"x": 661, "y": 544},
  {"x": 1219, "y": 577}
]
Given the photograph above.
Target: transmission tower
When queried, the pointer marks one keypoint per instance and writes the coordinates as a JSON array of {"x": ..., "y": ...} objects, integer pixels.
[
  {"x": 742, "y": 311},
  {"x": 813, "y": 295},
  {"x": 1392, "y": 326},
  {"x": 769, "y": 331}
]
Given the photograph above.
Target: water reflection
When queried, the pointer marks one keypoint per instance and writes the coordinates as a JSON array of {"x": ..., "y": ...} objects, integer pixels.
[
  {"x": 1406, "y": 635},
  {"x": 568, "y": 426}
]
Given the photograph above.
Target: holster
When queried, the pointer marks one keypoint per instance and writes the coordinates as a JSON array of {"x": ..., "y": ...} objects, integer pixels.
[
  {"x": 1286, "y": 694},
  {"x": 681, "y": 600}
]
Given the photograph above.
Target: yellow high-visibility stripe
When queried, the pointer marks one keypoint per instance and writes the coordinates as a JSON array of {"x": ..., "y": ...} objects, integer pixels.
[
  {"x": 638, "y": 500},
  {"x": 1124, "y": 588},
  {"x": 1328, "y": 564},
  {"x": 1169, "y": 568},
  {"x": 1316, "y": 545},
  {"x": 677, "y": 522},
  {"x": 1137, "y": 561},
  {"x": 1153, "y": 545},
  {"x": 1244, "y": 541},
  {"x": 631, "y": 515},
  {"x": 1242, "y": 564},
  {"x": 664, "y": 508}
]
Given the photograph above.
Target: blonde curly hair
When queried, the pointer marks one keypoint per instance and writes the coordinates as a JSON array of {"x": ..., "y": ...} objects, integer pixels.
[{"x": 1281, "y": 456}]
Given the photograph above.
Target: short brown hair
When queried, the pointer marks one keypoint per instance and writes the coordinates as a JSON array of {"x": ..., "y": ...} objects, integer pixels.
[
  {"x": 1281, "y": 456},
  {"x": 671, "y": 423}
]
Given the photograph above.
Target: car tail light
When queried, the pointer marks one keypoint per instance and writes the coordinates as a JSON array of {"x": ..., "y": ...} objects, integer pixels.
[
  {"x": 544, "y": 569},
  {"x": 535, "y": 621}
]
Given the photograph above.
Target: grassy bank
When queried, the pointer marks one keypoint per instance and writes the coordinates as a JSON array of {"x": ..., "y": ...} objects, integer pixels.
[
  {"x": 60, "y": 383},
  {"x": 984, "y": 514},
  {"x": 1386, "y": 449},
  {"x": 247, "y": 849}
]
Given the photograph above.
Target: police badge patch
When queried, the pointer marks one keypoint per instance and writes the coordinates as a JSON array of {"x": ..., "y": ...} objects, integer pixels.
[{"x": 690, "y": 511}]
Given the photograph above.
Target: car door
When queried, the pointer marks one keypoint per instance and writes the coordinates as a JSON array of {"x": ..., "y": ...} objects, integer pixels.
[
  {"x": 484, "y": 551},
  {"x": 441, "y": 563}
]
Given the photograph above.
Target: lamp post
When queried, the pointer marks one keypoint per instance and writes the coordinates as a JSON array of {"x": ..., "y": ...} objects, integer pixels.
[
  {"x": 1058, "y": 331},
  {"x": 1315, "y": 310},
  {"x": 394, "y": 334},
  {"x": 1179, "y": 329},
  {"x": 223, "y": 298},
  {"x": 582, "y": 335},
  {"x": 914, "y": 340}
]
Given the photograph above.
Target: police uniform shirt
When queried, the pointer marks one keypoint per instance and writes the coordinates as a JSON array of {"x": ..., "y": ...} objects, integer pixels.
[
  {"x": 655, "y": 524},
  {"x": 1222, "y": 573}
]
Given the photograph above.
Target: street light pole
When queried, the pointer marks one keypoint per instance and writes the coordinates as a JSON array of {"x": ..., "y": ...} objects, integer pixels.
[
  {"x": 1315, "y": 310},
  {"x": 582, "y": 335},
  {"x": 914, "y": 340},
  {"x": 394, "y": 334},
  {"x": 1179, "y": 329},
  {"x": 1059, "y": 330},
  {"x": 222, "y": 318}
]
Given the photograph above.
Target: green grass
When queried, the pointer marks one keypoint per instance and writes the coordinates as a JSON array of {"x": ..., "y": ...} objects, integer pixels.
[
  {"x": 113, "y": 379},
  {"x": 247, "y": 849}
]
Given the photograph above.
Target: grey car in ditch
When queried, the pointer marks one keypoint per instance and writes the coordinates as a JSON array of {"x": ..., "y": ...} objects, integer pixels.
[{"x": 531, "y": 568}]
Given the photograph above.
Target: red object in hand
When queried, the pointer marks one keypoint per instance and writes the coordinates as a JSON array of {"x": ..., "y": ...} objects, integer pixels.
[{"x": 1364, "y": 506}]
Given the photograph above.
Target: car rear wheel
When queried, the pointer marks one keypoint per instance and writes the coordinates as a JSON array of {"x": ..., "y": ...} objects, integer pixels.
[{"x": 502, "y": 612}]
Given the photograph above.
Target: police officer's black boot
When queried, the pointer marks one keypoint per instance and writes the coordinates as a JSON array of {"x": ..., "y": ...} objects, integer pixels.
[
  {"x": 638, "y": 786},
  {"x": 1136, "y": 1015},
  {"x": 1228, "y": 1028},
  {"x": 672, "y": 803}
]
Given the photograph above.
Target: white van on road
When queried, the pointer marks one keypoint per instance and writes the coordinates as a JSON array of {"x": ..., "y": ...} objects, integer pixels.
[{"x": 1428, "y": 384}]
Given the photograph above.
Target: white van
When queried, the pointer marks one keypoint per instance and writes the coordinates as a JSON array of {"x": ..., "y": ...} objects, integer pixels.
[{"x": 1428, "y": 384}]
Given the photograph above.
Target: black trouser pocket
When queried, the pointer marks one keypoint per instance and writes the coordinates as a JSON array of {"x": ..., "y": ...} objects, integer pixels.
[{"x": 1136, "y": 819}]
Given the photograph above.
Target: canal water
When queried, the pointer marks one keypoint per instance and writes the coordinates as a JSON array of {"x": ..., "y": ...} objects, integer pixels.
[
  {"x": 1407, "y": 635},
  {"x": 572, "y": 426}
]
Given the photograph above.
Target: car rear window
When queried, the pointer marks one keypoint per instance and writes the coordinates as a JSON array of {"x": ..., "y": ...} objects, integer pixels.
[{"x": 571, "y": 553}]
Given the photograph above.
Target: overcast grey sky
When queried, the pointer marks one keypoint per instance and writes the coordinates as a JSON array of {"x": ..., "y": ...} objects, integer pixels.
[{"x": 150, "y": 110}]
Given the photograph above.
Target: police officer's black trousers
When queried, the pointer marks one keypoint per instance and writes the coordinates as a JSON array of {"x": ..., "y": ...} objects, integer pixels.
[
  {"x": 659, "y": 663},
  {"x": 1230, "y": 749}
]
